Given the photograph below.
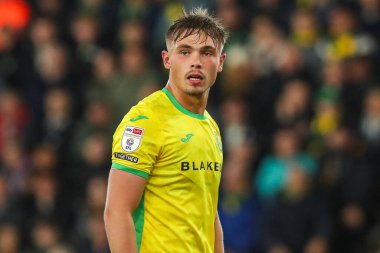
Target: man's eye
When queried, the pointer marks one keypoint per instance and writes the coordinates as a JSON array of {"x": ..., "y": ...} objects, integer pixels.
[
  {"x": 185, "y": 52},
  {"x": 207, "y": 53}
]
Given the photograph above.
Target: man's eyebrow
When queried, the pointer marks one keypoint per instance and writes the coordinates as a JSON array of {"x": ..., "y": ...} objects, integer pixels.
[
  {"x": 208, "y": 48},
  {"x": 184, "y": 46}
]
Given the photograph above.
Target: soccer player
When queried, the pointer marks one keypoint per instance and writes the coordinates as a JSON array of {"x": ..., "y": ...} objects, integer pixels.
[{"x": 167, "y": 152}]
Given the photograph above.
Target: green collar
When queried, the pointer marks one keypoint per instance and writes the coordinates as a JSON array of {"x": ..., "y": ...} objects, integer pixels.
[{"x": 180, "y": 107}]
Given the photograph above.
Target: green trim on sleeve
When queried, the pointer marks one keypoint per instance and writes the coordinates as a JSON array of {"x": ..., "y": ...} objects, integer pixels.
[
  {"x": 130, "y": 170},
  {"x": 180, "y": 107}
]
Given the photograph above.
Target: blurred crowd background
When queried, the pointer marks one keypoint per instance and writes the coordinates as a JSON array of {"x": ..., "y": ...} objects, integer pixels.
[{"x": 298, "y": 103}]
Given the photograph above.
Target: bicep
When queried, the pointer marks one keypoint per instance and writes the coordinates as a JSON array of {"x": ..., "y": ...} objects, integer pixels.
[{"x": 124, "y": 190}]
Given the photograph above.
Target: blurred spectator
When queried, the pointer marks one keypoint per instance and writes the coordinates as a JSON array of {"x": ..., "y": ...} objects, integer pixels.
[
  {"x": 95, "y": 151},
  {"x": 235, "y": 125},
  {"x": 370, "y": 17},
  {"x": 91, "y": 232},
  {"x": 55, "y": 126},
  {"x": 333, "y": 76},
  {"x": 14, "y": 167},
  {"x": 92, "y": 206},
  {"x": 346, "y": 183},
  {"x": 277, "y": 10},
  {"x": 107, "y": 18},
  {"x": 9, "y": 205},
  {"x": 370, "y": 127},
  {"x": 95, "y": 239},
  {"x": 14, "y": 117},
  {"x": 232, "y": 16},
  {"x": 51, "y": 70},
  {"x": 292, "y": 108},
  {"x": 136, "y": 74},
  {"x": 370, "y": 121},
  {"x": 85, "y": 32},
  {"x": 44, "y": 235},
  {"x": 273, "y": 171},
  {"x": 10, "y": 241},
  {"x": 344, "y": 40},
  {"x": 43, "y": 31},
  {"x": 46, "y": 200},
  {"x": 55, "y": 9},
  {"x": 304, "y": 29},
  {"x": 327, "y": 115},
  {"x": 132, "y": 33},
  {"x": 237, "y": 76},
  {"x": 133, "y": 10},
  {"x": 44, "y": 159},
  {"x": 93, "y": 161},
  {"x": 288, "y": 61},
  {"x": 327, "y": 118},
  {"x": 305, "y": 33},
  {"x": 262, "y": 44},
  {"x": 105, "y": 76},
  {"x": 297, "y": 221},
  {"x": 97, "y": 117},
  {"x": 52, "y": 65},
  {"x": 96, "y": 194},
  {"x": 238, "y": 207},
  {"x": 287, "y": 67},
  {"x": 360, "y": 78}
]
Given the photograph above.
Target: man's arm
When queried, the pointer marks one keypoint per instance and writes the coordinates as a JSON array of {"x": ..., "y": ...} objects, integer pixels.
[
  {"x": 123, "y": 195},
  {"x": 219, "y": 245}
]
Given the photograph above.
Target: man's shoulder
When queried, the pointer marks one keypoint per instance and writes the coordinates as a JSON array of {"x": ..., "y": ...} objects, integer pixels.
[
  {"x": 153, "y": 101},
  {"x": 147, "y": 108}
]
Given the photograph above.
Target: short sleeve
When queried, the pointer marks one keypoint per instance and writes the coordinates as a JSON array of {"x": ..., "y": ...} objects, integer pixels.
[{"x": 135, "y": 144}]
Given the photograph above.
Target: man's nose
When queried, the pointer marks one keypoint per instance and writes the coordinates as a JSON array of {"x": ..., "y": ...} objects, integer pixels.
[{"x": 196, "y": 60}]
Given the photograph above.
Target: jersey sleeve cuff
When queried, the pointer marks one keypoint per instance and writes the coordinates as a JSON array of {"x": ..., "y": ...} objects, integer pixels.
[{"x": 130, "y": 170}]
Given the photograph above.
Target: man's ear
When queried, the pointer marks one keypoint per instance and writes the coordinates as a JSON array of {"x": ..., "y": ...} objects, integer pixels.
[
  {"x": 221, "y": 61},
  {"x": 166, "y": 59}
]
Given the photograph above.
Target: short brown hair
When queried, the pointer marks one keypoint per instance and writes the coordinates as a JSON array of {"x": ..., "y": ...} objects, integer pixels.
[{"x": 196, "y": 22}]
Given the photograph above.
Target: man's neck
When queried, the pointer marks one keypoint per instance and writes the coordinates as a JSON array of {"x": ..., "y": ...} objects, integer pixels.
[{"x": 195, "y": 104}]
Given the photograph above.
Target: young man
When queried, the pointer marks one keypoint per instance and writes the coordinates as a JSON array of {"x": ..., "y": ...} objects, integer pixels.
[{"x": 167, "y": 153}]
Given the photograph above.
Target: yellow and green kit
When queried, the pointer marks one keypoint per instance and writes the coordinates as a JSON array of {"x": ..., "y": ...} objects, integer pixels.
[{"x": 179, "y": 153}]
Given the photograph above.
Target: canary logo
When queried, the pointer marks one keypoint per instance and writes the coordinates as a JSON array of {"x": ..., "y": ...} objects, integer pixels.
[
  {"x": 187, "y": 139},
  {"x": 138, "y": 118}
]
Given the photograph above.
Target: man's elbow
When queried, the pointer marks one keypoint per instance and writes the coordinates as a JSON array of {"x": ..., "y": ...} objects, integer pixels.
[
  {"x": 107, "y": 216},
  {"x": 115, "y": 215}
]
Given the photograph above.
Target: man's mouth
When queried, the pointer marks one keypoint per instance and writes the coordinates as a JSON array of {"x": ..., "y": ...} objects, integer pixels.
[{"x": 195, "y": 77}]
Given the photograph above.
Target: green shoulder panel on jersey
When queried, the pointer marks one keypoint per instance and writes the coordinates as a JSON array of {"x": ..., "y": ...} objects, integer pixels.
[
  {"x": 180, "y": 107},
  {"x": 130, "y": 170}
]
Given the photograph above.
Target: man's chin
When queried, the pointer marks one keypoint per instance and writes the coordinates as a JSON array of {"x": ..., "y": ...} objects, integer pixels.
[{"x": 195, "y": 91}]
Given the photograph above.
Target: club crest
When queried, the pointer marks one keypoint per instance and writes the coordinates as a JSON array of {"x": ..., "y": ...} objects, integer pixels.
[{"x": 131, "y": 138}]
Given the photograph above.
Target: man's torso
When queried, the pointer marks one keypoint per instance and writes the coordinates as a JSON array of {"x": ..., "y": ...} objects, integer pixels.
[{"x": 180, "y": 154}]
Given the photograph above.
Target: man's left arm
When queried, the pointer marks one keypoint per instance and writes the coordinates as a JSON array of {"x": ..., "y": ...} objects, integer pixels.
[{"x": 219, "y": 245}]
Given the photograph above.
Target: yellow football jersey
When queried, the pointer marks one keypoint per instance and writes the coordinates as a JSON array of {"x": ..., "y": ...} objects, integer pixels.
[{"x": 180, "y": 155}]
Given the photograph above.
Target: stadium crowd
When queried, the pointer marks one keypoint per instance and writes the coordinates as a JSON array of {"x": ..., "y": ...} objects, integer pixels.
[{"x": 298, "y": 103}]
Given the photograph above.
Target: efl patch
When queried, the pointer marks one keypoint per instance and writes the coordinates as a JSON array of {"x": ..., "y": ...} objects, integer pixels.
[{"x": 131, "y": 138}]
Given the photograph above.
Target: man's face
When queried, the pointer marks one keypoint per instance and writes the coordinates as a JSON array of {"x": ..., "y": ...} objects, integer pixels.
[{"x": 193, "y": 63}]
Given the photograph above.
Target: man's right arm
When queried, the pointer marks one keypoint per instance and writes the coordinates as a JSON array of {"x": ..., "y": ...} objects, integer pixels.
[{"x": 123, "y": 196}]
